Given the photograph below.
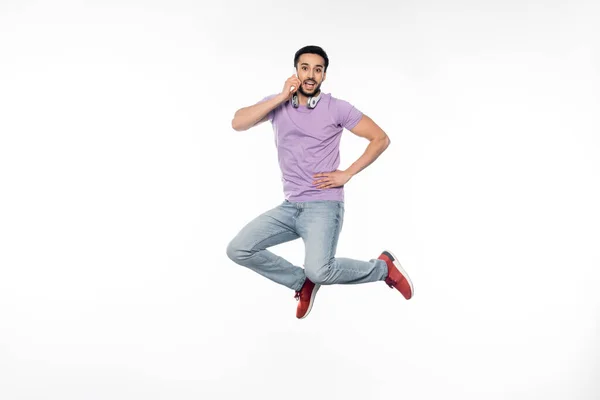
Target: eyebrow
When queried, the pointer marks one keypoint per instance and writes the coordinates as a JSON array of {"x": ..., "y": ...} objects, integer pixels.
[{"x": 318, "y": 65}]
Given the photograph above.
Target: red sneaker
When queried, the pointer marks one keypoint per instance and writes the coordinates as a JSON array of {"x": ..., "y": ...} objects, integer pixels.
[
  {"x": 397, "y": 276},
  {"x": 306, "y": 295}
]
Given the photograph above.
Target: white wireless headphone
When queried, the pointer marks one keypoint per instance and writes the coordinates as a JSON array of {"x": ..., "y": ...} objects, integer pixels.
[{"x": 312, "y": 101}]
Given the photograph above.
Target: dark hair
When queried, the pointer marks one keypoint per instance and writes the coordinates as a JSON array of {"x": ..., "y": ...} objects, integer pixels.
[{"x": 311, "y": 50}]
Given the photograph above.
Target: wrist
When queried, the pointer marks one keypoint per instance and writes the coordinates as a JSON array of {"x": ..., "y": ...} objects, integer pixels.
[{"x": 281, "y": 97}]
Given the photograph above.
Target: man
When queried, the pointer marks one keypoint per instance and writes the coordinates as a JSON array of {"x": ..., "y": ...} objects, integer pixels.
[{"x": 308, "y": 125}]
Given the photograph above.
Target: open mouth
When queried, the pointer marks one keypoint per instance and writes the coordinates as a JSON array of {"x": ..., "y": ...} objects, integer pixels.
[{"x": 309, "y": 85}]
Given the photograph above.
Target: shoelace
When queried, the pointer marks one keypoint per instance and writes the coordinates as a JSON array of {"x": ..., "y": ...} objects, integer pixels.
[
  {"x": 297, "y": 296},
  {"x": 391, "y": 283}
]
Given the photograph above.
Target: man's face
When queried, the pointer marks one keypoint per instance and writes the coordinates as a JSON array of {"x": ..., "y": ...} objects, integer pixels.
[{"x": 311, "y": 72}]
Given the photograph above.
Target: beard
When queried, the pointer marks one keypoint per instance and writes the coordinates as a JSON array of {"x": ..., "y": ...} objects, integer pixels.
[{"x": 314, "y": 92}]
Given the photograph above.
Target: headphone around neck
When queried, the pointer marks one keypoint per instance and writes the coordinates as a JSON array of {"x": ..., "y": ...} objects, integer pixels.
[{"x": 312, "y": 101}]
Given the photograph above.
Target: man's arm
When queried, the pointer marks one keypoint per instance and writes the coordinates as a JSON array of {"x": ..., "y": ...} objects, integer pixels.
[
  {"x": 248, "y": 117},
  {"x": 379, "y": 141}
]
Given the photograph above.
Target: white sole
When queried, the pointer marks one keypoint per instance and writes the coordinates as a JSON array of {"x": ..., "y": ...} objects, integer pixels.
[
  {"x": 403, "y": 272},
  {"x": 312, "y": 299}
]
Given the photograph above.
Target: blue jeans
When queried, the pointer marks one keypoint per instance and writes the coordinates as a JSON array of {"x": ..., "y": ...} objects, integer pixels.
[{"x": 318, "y": 223}]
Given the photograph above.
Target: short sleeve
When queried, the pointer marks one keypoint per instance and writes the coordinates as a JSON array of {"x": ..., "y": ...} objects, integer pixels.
[
  {"x": 346, "y": 114},
  {"x": 272, "y": 112}
]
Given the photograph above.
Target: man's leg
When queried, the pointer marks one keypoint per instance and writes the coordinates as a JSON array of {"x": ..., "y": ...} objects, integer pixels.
[
  {"x": 319, "y": 224},
  {"x": 248, "y": 247}
]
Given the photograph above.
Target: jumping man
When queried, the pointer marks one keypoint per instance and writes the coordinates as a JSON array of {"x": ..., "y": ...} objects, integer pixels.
[{"x": 307, "y": 126}]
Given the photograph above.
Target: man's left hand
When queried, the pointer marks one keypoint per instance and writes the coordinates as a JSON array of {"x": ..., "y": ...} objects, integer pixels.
[{"x": 326, "y": 180}]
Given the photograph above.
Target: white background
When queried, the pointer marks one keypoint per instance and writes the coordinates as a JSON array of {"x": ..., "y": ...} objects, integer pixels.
[{"x": 122, "y": 182}]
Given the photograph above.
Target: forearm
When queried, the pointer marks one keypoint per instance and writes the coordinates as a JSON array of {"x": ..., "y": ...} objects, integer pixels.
[
  {"x": 374, "y": 150},
  {"x": 245, "y": 118}
]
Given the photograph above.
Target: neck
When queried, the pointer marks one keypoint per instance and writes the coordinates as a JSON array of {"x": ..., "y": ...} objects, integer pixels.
[{"x": 303, "y": 100}]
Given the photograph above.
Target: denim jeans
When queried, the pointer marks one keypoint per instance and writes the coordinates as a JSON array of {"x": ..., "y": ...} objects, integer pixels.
[{"x": 318, "y": 223}]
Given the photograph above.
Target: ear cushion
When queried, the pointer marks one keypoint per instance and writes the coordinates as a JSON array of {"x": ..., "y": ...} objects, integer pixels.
[{"x": 312, "y": 102}]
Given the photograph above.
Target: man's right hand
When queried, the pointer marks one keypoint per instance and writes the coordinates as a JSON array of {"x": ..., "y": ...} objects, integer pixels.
[
  {"x": 247, "y": 117},
  {"x": 290, "y": 87}
]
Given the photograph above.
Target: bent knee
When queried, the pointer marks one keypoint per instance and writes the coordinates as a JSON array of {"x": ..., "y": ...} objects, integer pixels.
[
  {"x": 319, "y": 274},
  {"x": 234, "y": 252},
  {"x": 237, "y": 252}
]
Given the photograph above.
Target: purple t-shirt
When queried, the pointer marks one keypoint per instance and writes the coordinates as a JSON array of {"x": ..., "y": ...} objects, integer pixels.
[{"x": 308, "y": 142}]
